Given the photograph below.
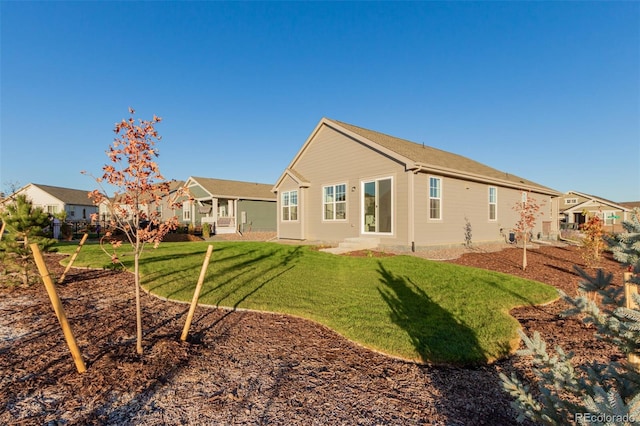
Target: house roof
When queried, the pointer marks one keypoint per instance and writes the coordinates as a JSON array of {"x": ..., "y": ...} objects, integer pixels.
[
  {"x": 221, "y": 188},
  {"x": 421, "y": 158},
  {"x": 66, "y": 195},
  {"x": 593, "y": 198},
  {"x": 438, "y": 161},
  {"x": 630, "y": 204}
]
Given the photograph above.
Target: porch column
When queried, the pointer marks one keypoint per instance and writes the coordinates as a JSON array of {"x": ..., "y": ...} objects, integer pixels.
[
  {"x": 232, "y": 210},
  {"x": 214, "y": 209}
]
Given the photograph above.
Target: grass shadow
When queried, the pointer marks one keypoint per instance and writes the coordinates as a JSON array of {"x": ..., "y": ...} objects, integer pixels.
[{"x": 435, "y": 334}]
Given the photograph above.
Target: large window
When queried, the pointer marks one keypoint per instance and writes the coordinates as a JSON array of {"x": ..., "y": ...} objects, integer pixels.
[
  {"x": 493, "y": 203},
  {"x": 290, "y": 205},
  {"x": 334, "y": 202},
  {"x": 435, "y": 198}
]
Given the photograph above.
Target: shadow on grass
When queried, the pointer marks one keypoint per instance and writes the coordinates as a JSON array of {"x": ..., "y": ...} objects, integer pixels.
[{"x": 435, "y": 334}]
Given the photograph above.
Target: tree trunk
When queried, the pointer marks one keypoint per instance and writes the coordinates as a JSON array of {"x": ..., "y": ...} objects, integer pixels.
[
  {"x": 524, "y": 253},
  {"x": 136, "y": 273}
]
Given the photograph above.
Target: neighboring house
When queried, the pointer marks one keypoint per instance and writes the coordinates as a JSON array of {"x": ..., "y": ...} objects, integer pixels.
[
  {"x": 54, "y": 199},
  {"x": 163, "y": 207},
  {"x": 229, "y": 206},
  {"x": 347, "y": 181},
  {"x": 575, "y": 206}
]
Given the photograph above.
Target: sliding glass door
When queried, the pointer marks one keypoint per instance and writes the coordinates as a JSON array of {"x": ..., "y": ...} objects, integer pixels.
[{"x": 377, "y": 206}]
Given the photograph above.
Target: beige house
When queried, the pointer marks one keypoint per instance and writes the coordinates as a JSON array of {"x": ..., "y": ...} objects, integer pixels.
[
  {"x": 575, "y": 207},
  {"x": 350, "y": 182}
]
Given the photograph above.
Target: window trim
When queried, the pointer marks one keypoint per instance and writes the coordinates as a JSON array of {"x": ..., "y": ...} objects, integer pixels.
[
  {"x": 494, "y": 203},
  {"x": 439, "y": 198},
  {"x": 334, "y": 203},
  {"x": 288, "y": 206},
  {"x": 186, "y": 211}
]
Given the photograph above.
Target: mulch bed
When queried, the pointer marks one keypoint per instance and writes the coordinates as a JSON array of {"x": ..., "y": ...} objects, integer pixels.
[{"x": 250, "y": 368}]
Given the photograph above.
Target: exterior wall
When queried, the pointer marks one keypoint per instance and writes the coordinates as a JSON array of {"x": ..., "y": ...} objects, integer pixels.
[
  {"x": 260, "y": 215},
  {"x": 332, "y": 159},
  {"x": 464, "y": 200},
  {"x": 79, "y": 213},
  {"x": 42, "y": 199}
]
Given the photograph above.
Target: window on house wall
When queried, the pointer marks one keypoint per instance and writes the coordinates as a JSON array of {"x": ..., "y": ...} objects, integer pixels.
[
  {"x": 609, "y": 217},
  {"x": 571, "y": 201},
  {"x": 186, "y": 210},
  {"x": 493, "y": 203},
  {"x": 334, "y": 202},
  {"x": 52, "y": 209},
  {"x": 435, "y": 198},
  {"x": 290, "y": 205}
]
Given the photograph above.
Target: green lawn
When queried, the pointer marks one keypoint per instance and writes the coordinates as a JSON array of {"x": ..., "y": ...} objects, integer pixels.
[{"x": 402, "y": 305}]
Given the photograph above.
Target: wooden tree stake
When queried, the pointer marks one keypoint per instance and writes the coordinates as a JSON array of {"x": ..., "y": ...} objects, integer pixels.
[
  {"x": 73, "y": 258},
  {"x": 58, "y": 308},
  {"x": 630, "y": 289},
  {"x": 196, "y": 294},
  {"x": 4, "y": 225}
]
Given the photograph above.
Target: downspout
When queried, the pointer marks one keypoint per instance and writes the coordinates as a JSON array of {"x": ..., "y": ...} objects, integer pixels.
[{"x": 411, "y": 211}]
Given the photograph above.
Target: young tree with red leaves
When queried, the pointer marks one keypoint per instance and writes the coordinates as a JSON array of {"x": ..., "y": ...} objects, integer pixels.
[
  {"x": 528, "y": 210},
  {"x": 139, "y": 183},
  {"x": 593, "y": 243}
]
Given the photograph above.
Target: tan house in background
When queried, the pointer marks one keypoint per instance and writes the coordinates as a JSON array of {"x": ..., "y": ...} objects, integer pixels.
[
  {"x": 350, "y": 182},
  {"x": 574, "y": 207}
]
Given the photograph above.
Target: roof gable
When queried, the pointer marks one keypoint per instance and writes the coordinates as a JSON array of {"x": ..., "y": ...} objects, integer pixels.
[{"x": 593, "y": 198}]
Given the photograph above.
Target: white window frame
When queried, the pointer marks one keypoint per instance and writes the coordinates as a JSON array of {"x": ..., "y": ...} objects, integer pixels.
[
  {"x": 392, "y": 213},
  {"x": 571, "y": 201},
  {"x": 436, "y": 197},
  {"x": 186, "y": 211},
  {"x": 334, "y": 202},
  {"x": 493, "y": 203},
  {"x": 606, "y": 219},
  {"x": 287, "y": 205}
]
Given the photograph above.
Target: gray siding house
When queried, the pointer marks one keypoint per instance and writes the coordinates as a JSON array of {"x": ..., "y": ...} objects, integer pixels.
[
  {"x": 230, "y": 206},
  {"x": 348, "y": 182}
]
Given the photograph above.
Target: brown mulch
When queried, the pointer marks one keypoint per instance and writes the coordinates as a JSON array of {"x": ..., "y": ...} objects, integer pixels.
[{"x": 250, "y": 368}]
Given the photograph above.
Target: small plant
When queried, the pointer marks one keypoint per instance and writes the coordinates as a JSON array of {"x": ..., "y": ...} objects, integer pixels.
[
  {"x": 467, "y": 232},
  {"x": 139, "y": 182},
  {"x": 528, "y": 211},
  {"x": 593, "y": 243},
  {"x": 24, "y": 225},
  {"x": 206, "y": 230}
]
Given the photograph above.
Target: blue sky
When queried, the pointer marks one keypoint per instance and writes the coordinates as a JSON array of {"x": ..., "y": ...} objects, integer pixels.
[{"x": 549, "y": 91}]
